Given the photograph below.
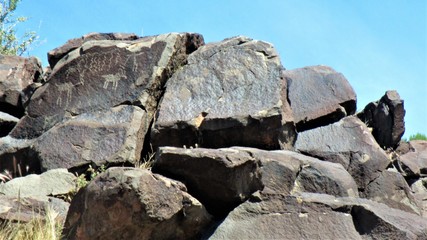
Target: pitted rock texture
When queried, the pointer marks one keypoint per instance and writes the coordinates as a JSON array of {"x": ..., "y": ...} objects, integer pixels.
[
  {"x": 58, "y": 53},
  {"x": 350, "y": 143},
  {"x": 219, "y": 99},
  {"x": 386, "y": 117},
  {"x": 319, "y": 96},
  {"x": 102, "y": 137},
  {"x": 17, "y": 74},
  {"x": 103, "y": 74},
  {"x": 131, "y": 203}
]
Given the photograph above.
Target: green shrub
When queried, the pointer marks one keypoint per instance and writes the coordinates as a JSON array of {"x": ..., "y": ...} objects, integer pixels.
[{"x": 418, "y": 136}]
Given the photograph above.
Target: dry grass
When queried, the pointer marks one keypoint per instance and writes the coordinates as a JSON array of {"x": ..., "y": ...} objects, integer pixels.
[
  {"x": 47, "y": 228},
  {"x": 148, "y": 160}
]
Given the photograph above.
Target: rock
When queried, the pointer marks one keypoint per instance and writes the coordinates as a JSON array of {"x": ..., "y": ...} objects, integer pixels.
[
  {"x": 319, "y": 96},
  {"x": 285, "y": 217},
  {"x": 350, "y": 143},
  {"x": 103, "y": 137},
  {"x": 387, "y": 119},
  {"x": 53, "y": 56},
  {"x": 132, "y": 203},
  {"x": 374, "y": 220},
  {"x": 392, "y": 189},
  {"x": 51, "y": 183},
  {"x": 16, "y": 77},
  {"x": 26, "y": 209},
  {"x": 219, "y": 99},
  {"x": 223, "y": 178},
  {"x": 419, "y": 188},
  {"x": 17, "y": 157},
  {"x": 414, "y": 162},
  {"x": 104, "y": 74},
  {"x": 7, "y": 123}
]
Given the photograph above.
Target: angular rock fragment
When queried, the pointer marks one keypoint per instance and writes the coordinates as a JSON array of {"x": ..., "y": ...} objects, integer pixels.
[
  {"x": 350, "y": 143},
  {"x": 51, "y": 183},
  {"x": 386, "y": 117},
  {"x": 17, "y": 74},
  {"x": 7, "y": 123},
  {"x": 419, "y": 188},
  {"x": 219, "y": 99},
  {"x": 319, "y": 96},
  {"x": 414, "y": 162},
  {"x": 392, "y": 189},
  {"x": 102, "y": 137},
  {"x": 132, "y": 203},
  {"x": 53, "y": 56},
  {"x": 103, "y": 74}
]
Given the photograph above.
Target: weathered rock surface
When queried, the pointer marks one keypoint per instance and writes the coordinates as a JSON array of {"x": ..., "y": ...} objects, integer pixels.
[
  {"x": 16, "y": 76},
  {"x": 319, "y": 96},
  {"x": 285, "y": 217},
  {"x": 102, "y": 137},
  {"x": 415, "y": 162},
  {"x": 374, "y": 220},
  {"x": 386, "y": 118},
  {"x": 419, "y": 188},
  {"x": 219, "y": 99},
  {"x": 131, "y": 203},
  {"x": 223, "y": 178},
  {"x": 350, "y": 143},
  {"x": 392, "y": 189},
  {"x": 7, "y": 123},
  {"x": 51, "y": 183},
  {"x": 103, "y": 74},
  {"x": 25, "y": 209},
  {"x": 58, "y": 53}
]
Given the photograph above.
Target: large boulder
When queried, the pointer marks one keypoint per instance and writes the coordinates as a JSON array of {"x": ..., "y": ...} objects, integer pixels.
[
  {"x": 111, "y": 136},
  {"x": 17, "y": 74},
  {"x": 419, "y": 188},
  {"x": 387, "y": 119},
  {"x": 54, "y": 55},
  {"x": 51, "y": 183},
  {"x": 103, "y": 74},
  {"x": 350, "y": 143},
  {"x": 319, "y": 96},
  {"x": 7, "y": 123},
  {"x": 219, "y": 99},
  {"x": 414, "y": 162},
  {"x": 132, "y": 203},
  {"x": 223, "y": 178}
]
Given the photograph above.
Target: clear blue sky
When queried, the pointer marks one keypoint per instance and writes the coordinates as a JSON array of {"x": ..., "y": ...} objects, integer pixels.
[{"x": 378, "y": 45}]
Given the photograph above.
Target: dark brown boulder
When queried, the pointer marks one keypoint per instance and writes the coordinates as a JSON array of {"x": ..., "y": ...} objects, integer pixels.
[
  {"x": 17, "y": 74},
  {"x": 103, "y": 137},
  {"x": 319, "y": 96},
  {"x": 219, "y": 99},
  {"x": 103, "y": 74},
  {"x": 53, "y": 56},
  {"x": 350, "y": 143},
  {"x": 7, "y": 123},
  {"x": 132, "y": 203},
  {"x": 386, "y": 117},
  {"x": 414, "y": 162}
]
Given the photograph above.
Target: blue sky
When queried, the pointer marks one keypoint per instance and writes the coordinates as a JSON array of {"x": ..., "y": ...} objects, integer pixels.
[{"x": 378, "y": 45}]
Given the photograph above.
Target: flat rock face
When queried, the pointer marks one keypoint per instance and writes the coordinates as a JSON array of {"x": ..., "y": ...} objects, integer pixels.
[
  {"x": 219, "y": 99},
  {"x": 392, "y": 189},
  {"x": 350, "y": 143},
  {"x": 131, "y": 203},
  {"x": 58, "y": 53},
  {"x": 387, "y": 119},
  {"x": 285, "y": 217},
  {"x": 319, "y": 96},
  {"x": 101, "y": 137},
  {"x": 224, "y": 178},
  {"x": 7, "y": 122},
  {"x": 50, "y": 183},
  {"x": 103, "y": 74},
  {"x": 16, "y": 76},
  {"x": 415, "y": 161}
]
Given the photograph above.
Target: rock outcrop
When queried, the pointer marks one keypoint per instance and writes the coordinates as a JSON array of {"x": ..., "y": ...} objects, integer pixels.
[{"x": 414, "y": 162}]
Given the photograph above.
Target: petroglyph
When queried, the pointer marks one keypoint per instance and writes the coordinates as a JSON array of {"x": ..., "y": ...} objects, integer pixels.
[
  {"x": 64, "y": 87},
  {"x": 114, "y": 79}
]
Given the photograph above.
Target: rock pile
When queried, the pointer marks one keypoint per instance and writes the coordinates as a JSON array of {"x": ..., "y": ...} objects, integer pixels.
[{"x": 244, "y": 149}]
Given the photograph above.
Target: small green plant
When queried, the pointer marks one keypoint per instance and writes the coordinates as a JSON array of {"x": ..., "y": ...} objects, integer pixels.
[{"x": 418, "y": 136}]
